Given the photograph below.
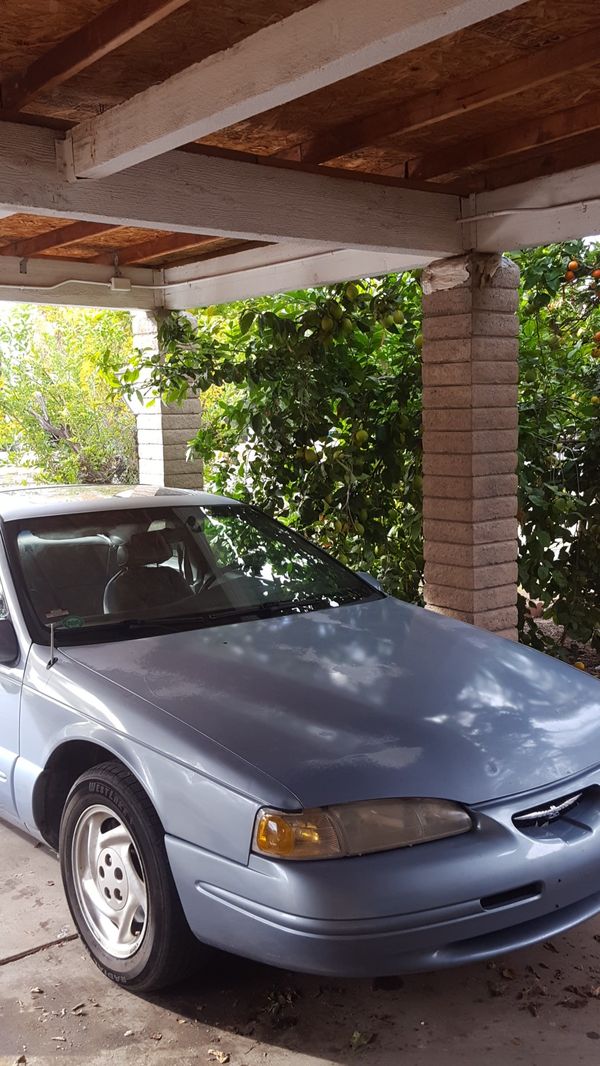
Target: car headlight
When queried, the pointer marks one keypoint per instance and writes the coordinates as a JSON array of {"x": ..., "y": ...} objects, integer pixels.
[{"x": 357, "y": 828}]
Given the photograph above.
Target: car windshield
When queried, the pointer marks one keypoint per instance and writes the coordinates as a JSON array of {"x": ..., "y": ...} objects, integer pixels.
[{"x": 170, "y": 567}]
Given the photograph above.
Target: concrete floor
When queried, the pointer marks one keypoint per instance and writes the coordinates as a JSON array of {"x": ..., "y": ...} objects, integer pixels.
[{"x": 540, "y": 1007}]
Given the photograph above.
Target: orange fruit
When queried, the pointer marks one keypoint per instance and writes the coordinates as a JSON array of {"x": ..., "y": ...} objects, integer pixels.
[
  {"x": 596, "y": 273},
  {"x": 573, "y": 265},
  {"x": 597, "y": 337},
  {"x": 579, "y": 665},
  {"x": 569, "y": 275}
]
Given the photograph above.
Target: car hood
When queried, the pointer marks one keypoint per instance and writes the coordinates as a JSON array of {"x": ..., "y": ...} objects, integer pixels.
[{"x": 371, "y": 700}]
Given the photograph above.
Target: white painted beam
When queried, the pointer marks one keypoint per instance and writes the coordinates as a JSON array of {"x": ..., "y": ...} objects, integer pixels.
[
  {"x": 313, "y": 48},
  {"x": 559, "y": 207},
  {"x": 278, "y": 268},
  {"x": 53, "y": 281},
  {"x": 199, "y": 194}
]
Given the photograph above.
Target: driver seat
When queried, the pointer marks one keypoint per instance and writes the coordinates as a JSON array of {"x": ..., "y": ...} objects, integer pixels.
[{"x": 141, "y": 582}]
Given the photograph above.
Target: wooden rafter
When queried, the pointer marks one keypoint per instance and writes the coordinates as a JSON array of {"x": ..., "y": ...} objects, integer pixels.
[
  {"x": 61, "y": 237},
  {"x": 501, "y": 144},
  {"x": 343, "y": 173},
  {"x": 462, "y": 98},
  {"x": 110, "y": 30},
  {"x": 324, "y": 43},
  {"x": 154, "y": 248},
  {"x": 579, "y": 151}
]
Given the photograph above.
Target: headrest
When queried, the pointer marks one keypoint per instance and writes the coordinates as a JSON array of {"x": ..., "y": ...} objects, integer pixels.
[{"x": 144, "y": 548}]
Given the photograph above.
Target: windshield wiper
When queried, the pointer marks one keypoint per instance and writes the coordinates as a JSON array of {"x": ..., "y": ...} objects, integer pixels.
[
  {"x": 260, "y": 610},
  {"x": 254, "y": 610},
  {"x": 203, "y": 618}
]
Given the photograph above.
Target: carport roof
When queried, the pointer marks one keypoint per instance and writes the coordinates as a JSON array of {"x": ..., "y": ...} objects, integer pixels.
[{"x": 228, "y": 112}]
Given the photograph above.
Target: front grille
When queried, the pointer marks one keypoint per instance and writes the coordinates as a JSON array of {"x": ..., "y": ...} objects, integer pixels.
[{"x": 545, "y": 813}]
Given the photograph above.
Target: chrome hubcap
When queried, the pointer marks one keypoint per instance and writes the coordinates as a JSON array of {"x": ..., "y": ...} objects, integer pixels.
[{"x": 109, "y": 881}]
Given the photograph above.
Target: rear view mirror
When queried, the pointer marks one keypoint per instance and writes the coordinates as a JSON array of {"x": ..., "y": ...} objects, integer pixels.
[{"x": 9, "y": 645}]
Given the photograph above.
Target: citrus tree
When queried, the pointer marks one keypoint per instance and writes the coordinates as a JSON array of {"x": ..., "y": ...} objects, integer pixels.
[{"x": 312, "y": 408}]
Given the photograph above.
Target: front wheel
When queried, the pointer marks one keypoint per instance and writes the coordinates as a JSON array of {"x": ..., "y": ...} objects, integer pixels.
[{"x": 118, "y": 882}]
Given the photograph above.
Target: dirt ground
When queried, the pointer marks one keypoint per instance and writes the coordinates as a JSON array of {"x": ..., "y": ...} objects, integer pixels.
[
  {"x": 582, "y": 653},
  {"x": 539, "y": 1007}
]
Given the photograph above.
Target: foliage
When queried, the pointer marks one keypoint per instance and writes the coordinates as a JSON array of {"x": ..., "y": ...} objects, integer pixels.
[
  {"x": 313, "y": 412},
  {"x": 559, "y": 439},
  {"x": 312, "y": 408},
  {"x": 58, "y": 413}
]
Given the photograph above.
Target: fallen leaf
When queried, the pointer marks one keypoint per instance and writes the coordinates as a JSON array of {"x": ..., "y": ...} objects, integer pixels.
[
  {"x": 220, "y": 1056},
  {"x": 593, "y": 1035},
  {"x": 575, "y": 991},
  {"x": 549, "y": 946},
  {"x": 507, "y": 973},
  {"x": 359, "y": 1039},
  {"x": 36, "y": 991},
  {"x": 20, "y": 1061},
  {"x": 128, "y": 1032},
  {"x": 58, "y": 1038},
  {"x": 156, "y": 1036}
]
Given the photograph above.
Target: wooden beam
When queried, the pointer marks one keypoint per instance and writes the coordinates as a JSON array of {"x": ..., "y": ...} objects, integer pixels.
[
  {"x": 276, "y": 268},
  {"x": 322, "y": 44},
  {"x": 72, "y": 233},
  {"x": 154, "y": 248},
  {"x": 461, "y": 98},
  {"x": 188, "y": 193},
  {"x": 501, "y": 144},
  {"x": 50, "y": 281},
  {"x": 560, "y": 207},
  {"x": 108, "y": 31},
  {"x": 343, "y": 173}
]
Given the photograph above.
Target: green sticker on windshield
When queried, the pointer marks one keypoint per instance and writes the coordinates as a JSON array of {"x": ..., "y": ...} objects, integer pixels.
[{"x": 73, "y": 621}]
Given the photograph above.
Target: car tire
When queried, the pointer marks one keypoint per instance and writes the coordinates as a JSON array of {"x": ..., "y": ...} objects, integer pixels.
[{"x": 118, "y": 882}]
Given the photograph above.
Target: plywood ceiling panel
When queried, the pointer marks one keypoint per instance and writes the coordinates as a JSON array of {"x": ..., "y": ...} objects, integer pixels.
[{"x": 189, "y": 35}]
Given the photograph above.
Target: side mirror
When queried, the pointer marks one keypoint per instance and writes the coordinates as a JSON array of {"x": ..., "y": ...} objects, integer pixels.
[
  {"x": 9, "y": 645},
  {"x": 369, "y": 579}
]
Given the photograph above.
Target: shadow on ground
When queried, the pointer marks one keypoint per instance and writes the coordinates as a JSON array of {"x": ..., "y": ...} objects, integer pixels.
[{"x": 540, "y": 1007}]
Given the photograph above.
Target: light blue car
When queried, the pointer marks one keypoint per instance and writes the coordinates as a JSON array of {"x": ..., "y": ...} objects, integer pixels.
[{"x": 232, "y": 739}]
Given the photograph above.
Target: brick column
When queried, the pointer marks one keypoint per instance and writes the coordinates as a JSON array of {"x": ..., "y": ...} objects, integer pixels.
[
  {"x": 164, "y": 429},
  {"x": 470, "y": 428}
]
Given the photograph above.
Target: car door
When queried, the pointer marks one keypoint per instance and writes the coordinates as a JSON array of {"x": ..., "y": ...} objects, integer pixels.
[{"x": 11, "y": 680}]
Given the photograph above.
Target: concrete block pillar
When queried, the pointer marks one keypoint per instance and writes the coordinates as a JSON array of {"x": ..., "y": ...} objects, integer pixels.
[
  {"x": 470, "y": 430},
  {"x": 164, "y": 429}
]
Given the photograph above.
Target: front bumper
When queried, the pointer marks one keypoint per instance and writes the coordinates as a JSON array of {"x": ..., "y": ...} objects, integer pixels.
[{"x": 442, "y": 904}]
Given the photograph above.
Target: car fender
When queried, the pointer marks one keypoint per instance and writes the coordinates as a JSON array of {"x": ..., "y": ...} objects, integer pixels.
[{"x": 181, "y": 775}]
